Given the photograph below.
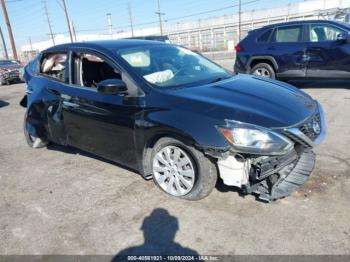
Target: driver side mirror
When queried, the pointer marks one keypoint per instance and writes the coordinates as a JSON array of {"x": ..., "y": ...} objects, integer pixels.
[
  {"x": 111, "y": 87},
  {"x": 344, "y": 37}
]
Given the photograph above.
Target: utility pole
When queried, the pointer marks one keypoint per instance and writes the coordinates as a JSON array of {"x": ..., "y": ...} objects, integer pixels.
[
  {"x": 73, "y": 29},
  {"x": 160, "y": 18},
  {"x": 9, "y": 29},
  {"x": 130, "y": 19},
  {"x": 49, "y": 22},
  {"x": 239, "y": 19},
  {"x": 30, "y": 43},
  {"x": 109, "y": 23},
  {"x": 4, "y": 44},
  {"x": 67, "y": 18}
]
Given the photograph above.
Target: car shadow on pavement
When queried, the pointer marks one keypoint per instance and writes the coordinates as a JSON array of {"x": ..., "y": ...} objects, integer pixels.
[
  {"x": 3, "y": 103},
  {"x": 334, "y": 84},
  {"x": 159, "y": 230},
  {"x": 76, "y": 151}
]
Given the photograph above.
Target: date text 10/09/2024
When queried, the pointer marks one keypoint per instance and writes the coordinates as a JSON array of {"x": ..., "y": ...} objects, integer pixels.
[{"x": 172, "y": 258}]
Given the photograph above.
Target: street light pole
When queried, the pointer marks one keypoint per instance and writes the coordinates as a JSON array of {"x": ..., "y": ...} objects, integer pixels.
[{"x": 9, "y": 29}]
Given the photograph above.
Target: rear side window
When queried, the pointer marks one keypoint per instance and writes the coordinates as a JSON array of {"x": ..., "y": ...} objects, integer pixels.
[
  {"x": 265, "y": 37},
  {"x": 54, "y": 65},
  {"x": 288, "y": 34}
]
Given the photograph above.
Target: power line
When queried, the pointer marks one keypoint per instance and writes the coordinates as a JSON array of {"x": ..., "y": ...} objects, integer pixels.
[{"x": 210, "y": 11}]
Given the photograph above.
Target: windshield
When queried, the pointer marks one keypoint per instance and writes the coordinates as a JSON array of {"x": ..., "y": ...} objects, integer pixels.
[
  {"x": 7, "y": 62},
  {"x": 166, "y": 66}
]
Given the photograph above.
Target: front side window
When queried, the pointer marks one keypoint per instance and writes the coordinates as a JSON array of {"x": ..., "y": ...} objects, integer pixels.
[
  {"x": 323, "y": 32},
  {"x": 166, "y": 66},
  {"x": 288, "y": 34},
  {"x": 90, "y": 69},
  {"x": 54, "y": 65}
]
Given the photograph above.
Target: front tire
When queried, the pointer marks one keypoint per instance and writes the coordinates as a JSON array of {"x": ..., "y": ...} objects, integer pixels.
[
  {"x": 181, "y": 170},
  {"x": 264, "y": 70}
]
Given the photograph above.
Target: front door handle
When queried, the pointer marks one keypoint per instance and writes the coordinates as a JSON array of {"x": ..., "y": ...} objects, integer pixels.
[
  {"x": 271, "y": 48},
  {"x": 69, "y": 104},
  {"x": 29, "y": 91},
  {"x": 306, "y": 58}
]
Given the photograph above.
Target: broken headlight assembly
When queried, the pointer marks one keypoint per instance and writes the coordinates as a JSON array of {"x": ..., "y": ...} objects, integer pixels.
[{"x": 253, "y": 139}]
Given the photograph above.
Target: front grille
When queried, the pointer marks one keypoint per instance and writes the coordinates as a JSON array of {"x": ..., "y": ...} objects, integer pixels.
[
  {"x": 296, "y": 138},
  {"x": 307, "y": 132},
  {"x": 312, "y": 127}
]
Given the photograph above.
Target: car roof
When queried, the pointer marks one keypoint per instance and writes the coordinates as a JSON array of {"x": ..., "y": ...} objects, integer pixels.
[
  {"x": 304, "y": 22},
  {"x": 107, "y": 44}
]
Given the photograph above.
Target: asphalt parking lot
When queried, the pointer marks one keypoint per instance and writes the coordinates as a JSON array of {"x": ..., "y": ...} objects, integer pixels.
[{"x": 62, "y": 201}]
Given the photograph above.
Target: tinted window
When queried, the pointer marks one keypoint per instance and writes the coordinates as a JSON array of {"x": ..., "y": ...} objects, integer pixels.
[
  {"x": 288, "y": 34},
  {"x": 54, "y": 65},
  {"x": 324, "y": 32},
  {"x": 265, "y": 37}
]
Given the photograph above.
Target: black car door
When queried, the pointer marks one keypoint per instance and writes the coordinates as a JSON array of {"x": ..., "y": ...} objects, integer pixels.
[
  {"x": 287, "y": 46},
  {"x": 328, "y": 57},
  {"x": 102, "y": 124}
]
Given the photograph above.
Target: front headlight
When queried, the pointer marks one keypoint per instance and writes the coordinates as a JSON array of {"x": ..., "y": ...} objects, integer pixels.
[{"x": 252, "y": 139}]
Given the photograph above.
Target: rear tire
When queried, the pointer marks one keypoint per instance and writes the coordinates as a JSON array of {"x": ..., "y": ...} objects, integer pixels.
[
  {"x": 32, "y": 141},
  {"x": 182, "y": 164},
  {"x": 263, "y": 70}
]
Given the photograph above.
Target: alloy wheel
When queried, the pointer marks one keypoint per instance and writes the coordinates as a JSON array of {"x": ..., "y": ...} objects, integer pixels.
[
  {"x": 173, "y": 170},
  {"x": 261, "y": 71}
]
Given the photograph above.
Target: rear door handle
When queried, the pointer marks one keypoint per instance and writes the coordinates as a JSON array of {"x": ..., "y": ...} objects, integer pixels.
[
  {"x": 69, "y": 104},
  {"x": 271, "y": 48}
]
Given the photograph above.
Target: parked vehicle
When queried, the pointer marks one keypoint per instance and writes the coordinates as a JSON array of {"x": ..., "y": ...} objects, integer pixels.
[
  {"x": 297, "y": 50},
  {"x": 9, "y": 71},
  {"x": 160, "y": 38},
  {"x": 174, "y": 116}
]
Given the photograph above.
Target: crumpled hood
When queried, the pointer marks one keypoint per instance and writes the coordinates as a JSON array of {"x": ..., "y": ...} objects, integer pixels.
[{"x": 247, "y": 99}]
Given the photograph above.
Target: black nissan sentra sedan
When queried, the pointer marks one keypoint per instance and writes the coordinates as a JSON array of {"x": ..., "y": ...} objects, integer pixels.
[{"x": 174, "y": 116}]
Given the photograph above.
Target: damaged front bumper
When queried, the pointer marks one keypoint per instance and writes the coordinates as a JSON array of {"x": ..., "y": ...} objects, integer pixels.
[{"x": 274, "y": 177}]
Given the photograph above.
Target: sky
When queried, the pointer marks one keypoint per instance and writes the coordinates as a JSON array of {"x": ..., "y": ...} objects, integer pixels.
[{"x": 28, "y": 18}]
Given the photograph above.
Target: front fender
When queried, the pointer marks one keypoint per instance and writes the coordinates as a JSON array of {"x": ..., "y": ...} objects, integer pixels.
[{"x": 192, "y": 129}]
